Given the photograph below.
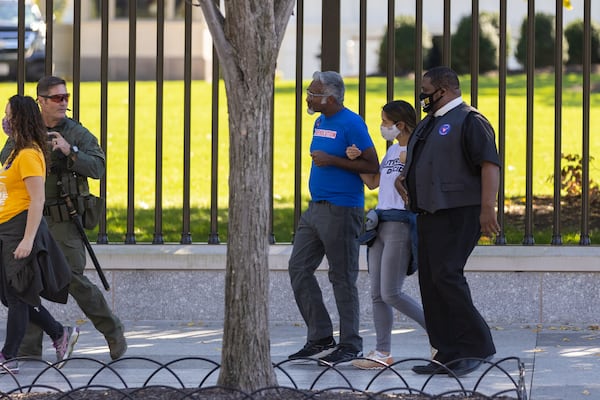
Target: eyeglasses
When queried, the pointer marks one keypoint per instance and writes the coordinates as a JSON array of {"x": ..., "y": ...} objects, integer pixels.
[
  {"x": 57, "y": 98},
  {"x": 311, "y": 94}
]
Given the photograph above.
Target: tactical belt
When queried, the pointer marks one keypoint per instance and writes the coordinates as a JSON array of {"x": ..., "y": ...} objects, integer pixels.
[{"x": 58, "y": 212}]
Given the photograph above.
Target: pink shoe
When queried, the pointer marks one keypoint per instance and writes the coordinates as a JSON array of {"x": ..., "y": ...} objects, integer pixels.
[{"x": 64, "y": 345}]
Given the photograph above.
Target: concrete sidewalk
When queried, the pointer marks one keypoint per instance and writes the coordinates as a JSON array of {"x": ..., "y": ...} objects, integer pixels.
[{"x": 560, "y": 362}]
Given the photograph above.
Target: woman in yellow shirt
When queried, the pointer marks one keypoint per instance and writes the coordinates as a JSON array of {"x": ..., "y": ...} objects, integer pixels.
[{"x": 23, "y": 232}]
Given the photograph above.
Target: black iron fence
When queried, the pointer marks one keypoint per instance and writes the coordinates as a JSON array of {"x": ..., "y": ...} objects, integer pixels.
[
  {"x": 196, "y": 378},
  {"x": 106, "y": 13}
]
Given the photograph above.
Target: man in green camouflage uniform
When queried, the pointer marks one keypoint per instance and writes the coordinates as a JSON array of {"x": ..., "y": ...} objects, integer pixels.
[{"x": 75, "y": 156}]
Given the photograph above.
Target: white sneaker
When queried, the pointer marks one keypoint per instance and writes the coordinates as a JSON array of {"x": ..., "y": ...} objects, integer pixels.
[
  {"x": 433, "y": 352},
  {"x": 8, "y": 366},
  {"x": 373, "y": 360}
]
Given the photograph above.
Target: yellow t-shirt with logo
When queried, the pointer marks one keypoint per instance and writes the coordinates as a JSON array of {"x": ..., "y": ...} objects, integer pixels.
[{"x": 14, "y": 197}]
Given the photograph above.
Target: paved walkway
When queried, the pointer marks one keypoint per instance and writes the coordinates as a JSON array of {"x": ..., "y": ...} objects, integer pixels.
[{"x": 560, "y": 362}]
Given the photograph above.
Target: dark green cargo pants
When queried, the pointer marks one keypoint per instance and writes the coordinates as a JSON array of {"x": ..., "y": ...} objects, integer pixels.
[{"x": 87, "y": 295}]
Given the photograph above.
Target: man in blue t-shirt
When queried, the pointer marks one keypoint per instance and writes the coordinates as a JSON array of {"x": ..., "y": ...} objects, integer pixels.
[{"x": 332, "y": 222}]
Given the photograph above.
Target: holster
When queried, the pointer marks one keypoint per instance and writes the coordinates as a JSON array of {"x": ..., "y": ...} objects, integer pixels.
[{"x": 93, "y": 207}]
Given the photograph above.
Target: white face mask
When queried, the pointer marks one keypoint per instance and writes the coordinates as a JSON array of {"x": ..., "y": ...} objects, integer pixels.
[{"x": 389, "y": 132}]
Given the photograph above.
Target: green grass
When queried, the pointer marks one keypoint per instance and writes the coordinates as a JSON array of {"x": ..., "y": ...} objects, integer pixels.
[{"x": 200, "y": 173}]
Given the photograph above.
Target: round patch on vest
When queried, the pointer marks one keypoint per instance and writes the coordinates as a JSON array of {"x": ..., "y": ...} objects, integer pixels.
[{"x": 444, "y": 129}]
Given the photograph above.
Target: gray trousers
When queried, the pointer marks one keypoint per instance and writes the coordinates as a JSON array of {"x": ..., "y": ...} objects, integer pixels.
[
  {"x": 331, "y": 231},
  {"x": 388, "y": 260}
]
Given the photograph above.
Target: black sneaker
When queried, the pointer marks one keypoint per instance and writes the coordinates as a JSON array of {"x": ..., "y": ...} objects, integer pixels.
[
  {"x": 341, "y": 355},
  {"x": 315, "y": 349}
]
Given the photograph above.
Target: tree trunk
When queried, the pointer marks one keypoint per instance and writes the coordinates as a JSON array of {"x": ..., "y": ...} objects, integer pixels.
[
  {"x": 247, "y": 43},
  {"x": 246, "y": 356}
]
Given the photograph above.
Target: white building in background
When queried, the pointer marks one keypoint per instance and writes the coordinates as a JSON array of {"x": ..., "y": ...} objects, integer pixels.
[
  {"x": 377, "y": 24},
  {"x": 118, "y": 41},
  {"x": 202, "y": 44}
]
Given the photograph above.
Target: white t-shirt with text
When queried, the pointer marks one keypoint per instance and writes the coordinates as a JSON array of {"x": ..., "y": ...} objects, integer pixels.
[{"x": 389, "y": 168}]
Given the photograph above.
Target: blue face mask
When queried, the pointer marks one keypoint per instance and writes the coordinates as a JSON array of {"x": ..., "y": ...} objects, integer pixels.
[{"x": 6, "y": 126}]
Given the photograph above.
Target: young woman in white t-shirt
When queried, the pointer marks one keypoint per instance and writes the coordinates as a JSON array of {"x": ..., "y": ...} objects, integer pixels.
[{"x": 393, "y": 250}]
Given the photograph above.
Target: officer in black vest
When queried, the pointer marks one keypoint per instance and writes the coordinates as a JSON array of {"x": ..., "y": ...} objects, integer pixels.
[{"x": 451, "y": 181}]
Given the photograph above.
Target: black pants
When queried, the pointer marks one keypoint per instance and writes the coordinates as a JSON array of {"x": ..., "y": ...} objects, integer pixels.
[
  {"x": 19, "y": 315},
  {"x": 455, "y": 327}
]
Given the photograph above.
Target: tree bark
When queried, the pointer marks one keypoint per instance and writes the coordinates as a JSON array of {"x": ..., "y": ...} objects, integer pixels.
[{"x": 247, "y": 42}]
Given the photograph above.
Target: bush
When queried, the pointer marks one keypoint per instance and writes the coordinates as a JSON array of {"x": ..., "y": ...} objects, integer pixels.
[
  {"x": 489, "y": 39},
  {"x": 404, "y": 44},
  {"x": 544, "y": 42},
  {"x": 574, "y": 35},
  {"x": 571, "y": 177}
]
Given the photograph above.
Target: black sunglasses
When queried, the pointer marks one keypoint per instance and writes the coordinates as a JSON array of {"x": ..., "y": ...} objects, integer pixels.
[{"x": 58, "y": 98}]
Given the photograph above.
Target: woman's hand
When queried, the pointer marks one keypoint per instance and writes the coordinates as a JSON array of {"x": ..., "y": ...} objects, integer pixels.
[
  {"x": 23, "y": 249},
  {"x": 401, "y": 188},
  {"x": 353, "y": 152}
]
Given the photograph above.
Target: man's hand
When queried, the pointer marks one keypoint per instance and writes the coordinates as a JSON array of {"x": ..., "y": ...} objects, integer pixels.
[
  {"x": 365, "y": 164},
  {"x": 489, "y": 223},
  {"x": 320, "y": 158},
  {"x": 59, "y": 143},
  {"x": 490, "y": 175}
]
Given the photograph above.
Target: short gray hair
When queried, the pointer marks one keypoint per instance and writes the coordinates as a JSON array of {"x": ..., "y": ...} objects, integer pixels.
[{"x": 333, "y": 84}]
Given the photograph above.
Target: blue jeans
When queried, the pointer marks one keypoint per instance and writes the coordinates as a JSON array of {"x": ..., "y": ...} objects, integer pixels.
[{"x": 328, "y": 230}]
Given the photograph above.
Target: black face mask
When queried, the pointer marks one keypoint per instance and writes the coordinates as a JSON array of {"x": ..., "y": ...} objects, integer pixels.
[{"x": 427, "y": 100}]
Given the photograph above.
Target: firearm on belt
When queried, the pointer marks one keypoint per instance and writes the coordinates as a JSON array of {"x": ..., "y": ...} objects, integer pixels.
[{"x": 75, "y": 218}]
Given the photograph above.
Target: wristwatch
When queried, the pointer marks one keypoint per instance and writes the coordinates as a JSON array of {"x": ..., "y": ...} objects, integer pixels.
[{"x": 74, "y": 150}]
